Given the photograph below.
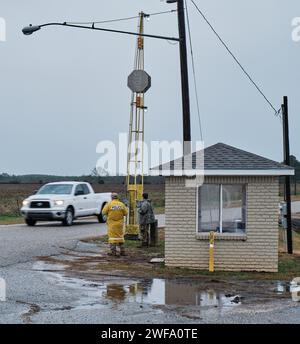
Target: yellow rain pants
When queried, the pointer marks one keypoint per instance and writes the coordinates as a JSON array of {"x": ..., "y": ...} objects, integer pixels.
[{"x": 115, "y": 212}]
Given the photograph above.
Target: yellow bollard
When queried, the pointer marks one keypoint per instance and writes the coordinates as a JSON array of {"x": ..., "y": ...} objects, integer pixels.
[{"x": 211, "y": 251}]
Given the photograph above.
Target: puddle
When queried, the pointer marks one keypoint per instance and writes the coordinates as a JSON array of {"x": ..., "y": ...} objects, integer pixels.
[
  {"x": 167, "y": 292},
  {"x": 110, "y": 291},
  {"x": 186, "y": 293},
  {"x": 154, "y": 291}
]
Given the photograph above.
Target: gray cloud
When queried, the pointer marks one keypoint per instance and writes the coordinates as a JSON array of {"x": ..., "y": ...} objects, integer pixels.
[{"x": 63, "y": 90}]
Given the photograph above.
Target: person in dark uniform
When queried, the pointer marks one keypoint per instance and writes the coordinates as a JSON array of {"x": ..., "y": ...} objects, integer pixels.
[{"x": 146, "y": 218}]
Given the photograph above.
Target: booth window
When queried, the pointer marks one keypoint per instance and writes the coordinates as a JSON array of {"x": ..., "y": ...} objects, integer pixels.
[{"x": 222, "y": 208}]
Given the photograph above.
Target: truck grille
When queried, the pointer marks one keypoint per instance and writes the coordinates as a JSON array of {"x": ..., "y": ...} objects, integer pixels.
[
  {"x": 40, "y": 204},
  {"x": 40, "y": 216}
]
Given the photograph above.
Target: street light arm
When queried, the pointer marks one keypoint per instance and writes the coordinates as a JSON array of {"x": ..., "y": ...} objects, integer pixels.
[{"x": 28, "y": 30}]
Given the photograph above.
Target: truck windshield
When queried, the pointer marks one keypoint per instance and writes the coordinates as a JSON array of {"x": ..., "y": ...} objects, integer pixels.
[{"x": 56, "y": 189}]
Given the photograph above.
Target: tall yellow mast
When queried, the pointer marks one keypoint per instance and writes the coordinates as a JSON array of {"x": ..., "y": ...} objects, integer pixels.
[{"x": 135, "y": 156}]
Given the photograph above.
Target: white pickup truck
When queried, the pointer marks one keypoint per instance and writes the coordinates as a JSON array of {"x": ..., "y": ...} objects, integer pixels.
[{"x": 64, "y": 201}]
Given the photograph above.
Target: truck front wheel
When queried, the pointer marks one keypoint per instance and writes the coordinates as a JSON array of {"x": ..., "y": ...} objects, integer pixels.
[
  {"x": 100, "y": 217},
  {"x": 69, "y": 217},
  {"x": 30, "y": 222}
]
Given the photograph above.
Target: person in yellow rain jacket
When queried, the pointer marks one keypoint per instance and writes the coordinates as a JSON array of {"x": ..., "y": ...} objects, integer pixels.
[{"x": 115, "y": 212}]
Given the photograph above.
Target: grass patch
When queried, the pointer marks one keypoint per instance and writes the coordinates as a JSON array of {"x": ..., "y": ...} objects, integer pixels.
[
  {"x": 289, "y": 264},
  {"x": 159, "y": 210},
  {"x": 10, "y": 219},
  {"x": 296, "y": 241}
]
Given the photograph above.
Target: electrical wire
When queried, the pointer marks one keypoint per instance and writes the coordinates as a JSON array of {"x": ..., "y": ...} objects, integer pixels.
[
  {"x": 121, "y": 19},
  {"x": 277, "y": 112},
  {"x": 194, "y": 71}
]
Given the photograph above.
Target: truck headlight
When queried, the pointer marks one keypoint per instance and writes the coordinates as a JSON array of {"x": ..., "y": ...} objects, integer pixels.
[
  {"x": 25, "y": 202},
  {"x": 59, "y": 202}
]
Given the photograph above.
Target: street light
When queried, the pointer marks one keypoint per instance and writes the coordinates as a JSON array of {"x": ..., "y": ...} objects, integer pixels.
[{"x": 28, "y": 30}]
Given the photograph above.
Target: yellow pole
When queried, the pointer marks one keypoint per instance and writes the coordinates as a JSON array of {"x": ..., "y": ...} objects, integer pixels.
[
  {"x": 211, "y": 251},
  {"x": 135, "y": 184}
]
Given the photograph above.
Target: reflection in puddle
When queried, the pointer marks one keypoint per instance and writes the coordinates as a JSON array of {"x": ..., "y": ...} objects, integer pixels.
[
  {"x": 165, "y": 292},
  {"x": 152, "y": 292},
  {"x": 115, "y": 290},
  {"x": 155, "y": 292}
]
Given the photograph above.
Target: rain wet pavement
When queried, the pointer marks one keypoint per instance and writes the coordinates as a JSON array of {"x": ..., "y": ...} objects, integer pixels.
[
  {"x": 123, "y": 299},
  {"x": 53, "y": 291},
  {"x": 63, "y": 296},
  {"x": 147, "y": 291},
  {"x": 173, "y": 291}
]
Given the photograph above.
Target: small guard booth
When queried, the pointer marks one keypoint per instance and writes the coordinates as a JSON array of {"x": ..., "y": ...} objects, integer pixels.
[{"x": 238, "y": 200}]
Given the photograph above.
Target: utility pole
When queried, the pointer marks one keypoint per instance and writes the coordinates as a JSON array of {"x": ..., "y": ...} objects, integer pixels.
[
  {"x": 287, "y": 186},
  {"x": 186, "y": 115}
]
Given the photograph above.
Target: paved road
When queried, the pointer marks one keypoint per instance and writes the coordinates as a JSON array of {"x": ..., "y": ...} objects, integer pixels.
[
  {"x": 27, "y": 288},
  {"x": 38, "y": 292},
  {"x": 20, "y": 244},
  {"x": 296, "y": 207}
]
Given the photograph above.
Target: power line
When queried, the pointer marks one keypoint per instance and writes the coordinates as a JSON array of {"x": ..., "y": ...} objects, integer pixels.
[
  {"x": 194, "y": 71},
  {"x": 121, "y": 19},
  {"x": 277, "y": 112}
]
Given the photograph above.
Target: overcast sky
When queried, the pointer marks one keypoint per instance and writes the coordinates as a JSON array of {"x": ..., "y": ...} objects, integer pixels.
[{"x": 63, "y": 90}]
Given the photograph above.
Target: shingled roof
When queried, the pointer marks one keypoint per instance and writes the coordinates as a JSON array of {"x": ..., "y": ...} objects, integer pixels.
[{"x": 222, "y": 159}]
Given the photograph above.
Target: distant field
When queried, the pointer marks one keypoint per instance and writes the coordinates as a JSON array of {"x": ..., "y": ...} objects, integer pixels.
[
  {"x": 12, "y": 195},
  {"x": 296, "y": 242},
  {"x": 295, "y": 191}
]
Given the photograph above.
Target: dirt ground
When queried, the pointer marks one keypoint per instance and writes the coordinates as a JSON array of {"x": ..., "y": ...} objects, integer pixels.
[{"x": 137, "y": 264}]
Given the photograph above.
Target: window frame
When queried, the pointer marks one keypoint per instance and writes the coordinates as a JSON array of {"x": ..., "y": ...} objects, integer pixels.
[
  {"x": 245, "y": 185},
  {"x": 86, "y": 189},
  {"x": 77, "y": 188}
]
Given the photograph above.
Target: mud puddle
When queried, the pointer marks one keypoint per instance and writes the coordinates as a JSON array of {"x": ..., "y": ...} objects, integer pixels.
[
  {"x": 161, "y": 292},
  {"x": 158, "y": 292},
  {"x": 105, "y": 291}
]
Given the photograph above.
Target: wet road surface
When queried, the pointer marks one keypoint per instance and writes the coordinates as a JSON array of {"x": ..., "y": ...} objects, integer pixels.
[{"x": 40, "y": 292}]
